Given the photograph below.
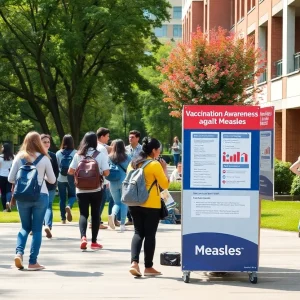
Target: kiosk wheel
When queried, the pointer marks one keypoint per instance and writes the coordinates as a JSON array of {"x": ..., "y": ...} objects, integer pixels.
[
  {"x": 253, "y": 277},
  {"x": 186, "y": 277}
]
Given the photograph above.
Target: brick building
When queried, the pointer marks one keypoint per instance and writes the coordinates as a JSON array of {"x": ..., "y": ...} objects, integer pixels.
[{"x": 275, "y": 25}]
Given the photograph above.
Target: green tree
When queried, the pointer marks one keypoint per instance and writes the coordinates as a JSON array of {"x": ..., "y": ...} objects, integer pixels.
[
  {"x": 56, "y": 54},
  {"x": 11, "y": 121},
  {"x": 155, "y": 112}
]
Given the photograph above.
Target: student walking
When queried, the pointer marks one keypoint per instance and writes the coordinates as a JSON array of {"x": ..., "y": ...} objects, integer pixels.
[
  {"x": 146, "y": 217},
  {"x": 119, "y": 158},
  {"x": 46, "y": 138},
  {"x": 6, "y": 159},
  {"x": 133, "y": 149},
  {"x": 176, "y": 150},
  {"x": 65, "y": 183},
  {"x": 32, "y": 211},
  {"x": 89, "y": 196}
]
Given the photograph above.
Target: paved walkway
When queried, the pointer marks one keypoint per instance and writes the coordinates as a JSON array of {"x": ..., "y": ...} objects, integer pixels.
[{"x": 72, "y": 274}]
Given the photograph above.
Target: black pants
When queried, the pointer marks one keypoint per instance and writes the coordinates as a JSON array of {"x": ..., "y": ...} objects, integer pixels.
[
  {"x": 145, "y": 221},
  {"x": 84, "y": 201},
  {"x": 5, "y": 188},
  {"x": 129, "y": 217}
]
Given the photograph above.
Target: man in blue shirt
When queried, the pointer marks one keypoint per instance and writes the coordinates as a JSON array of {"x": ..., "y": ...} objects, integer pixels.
[{"x": 134, "y": 148}]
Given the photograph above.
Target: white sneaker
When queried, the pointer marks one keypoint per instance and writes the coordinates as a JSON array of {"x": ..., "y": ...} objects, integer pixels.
[
  {"x": 122, "y": 228},
  {"x": 111, "y": 221}
]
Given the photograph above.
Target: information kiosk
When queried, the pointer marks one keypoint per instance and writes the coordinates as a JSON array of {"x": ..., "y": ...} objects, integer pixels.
[{"x": 220, "y": 201}]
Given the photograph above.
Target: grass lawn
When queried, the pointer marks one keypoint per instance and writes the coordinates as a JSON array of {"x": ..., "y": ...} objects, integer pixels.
[
  {"x": 13, "y": 217},
  {"x": 281, "y": 215}
]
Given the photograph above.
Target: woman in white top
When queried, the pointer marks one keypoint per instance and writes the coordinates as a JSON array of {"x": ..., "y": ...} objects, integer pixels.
[
  {"x": 32, "y": 213},
  {"x": 91, "y": 197},
  {"x": 6, "y": 159}
]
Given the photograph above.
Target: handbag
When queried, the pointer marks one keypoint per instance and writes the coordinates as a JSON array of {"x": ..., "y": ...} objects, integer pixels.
[
  {"x": 163, "y": 210},
  {"x": 170, "y": 258}
]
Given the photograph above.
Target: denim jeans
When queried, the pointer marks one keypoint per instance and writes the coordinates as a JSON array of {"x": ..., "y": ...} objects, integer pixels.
[
  {"x": 32, "y": 217},
  {"x": 104, "y": 198},
  {"x": 176, "y": 159},
  {"x": 110, "y": 201},
  {"x": 116, "y": 193},
  {"x": 63, "y": 187},
  {"x": 49, "y": 212}
]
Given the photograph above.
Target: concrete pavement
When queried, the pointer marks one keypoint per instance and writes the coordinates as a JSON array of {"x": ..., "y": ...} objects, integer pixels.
[{"x": 72, "y": 274}]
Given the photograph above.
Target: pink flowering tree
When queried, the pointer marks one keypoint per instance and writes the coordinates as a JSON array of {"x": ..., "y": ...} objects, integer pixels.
[{"x": 218, "y": 69}]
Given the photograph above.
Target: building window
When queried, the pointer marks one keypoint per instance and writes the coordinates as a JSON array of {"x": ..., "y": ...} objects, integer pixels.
[
  {"x": 177, "y": 30},
  {"x": 278, "y": 68},
  {"x": 177, "y": 12},
  {"x": 161, "y": 31}
]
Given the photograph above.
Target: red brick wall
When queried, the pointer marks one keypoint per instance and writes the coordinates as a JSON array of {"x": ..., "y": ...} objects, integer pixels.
[
  {"x": 292, "y": 134},
  {"x": 220, "y": 14},
  {"x": 297, "y": 35},
  {"x": 276, "y": 41},
  {"x": 278, "y": 135},
  {"x": 197, "y": 15}
]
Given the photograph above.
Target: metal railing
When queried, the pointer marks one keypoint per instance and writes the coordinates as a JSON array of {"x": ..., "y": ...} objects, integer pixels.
[
  {"x": 297, "y": 61},
  {"x": 278, "y": 67}
]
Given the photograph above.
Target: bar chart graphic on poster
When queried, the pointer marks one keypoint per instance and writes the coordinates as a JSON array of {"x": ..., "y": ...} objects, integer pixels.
[{"x": 236, "y": 160}]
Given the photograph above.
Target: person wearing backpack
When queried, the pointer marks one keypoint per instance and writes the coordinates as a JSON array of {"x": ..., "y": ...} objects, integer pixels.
[
  {"x": 46, "y": 139},
  {"x": 65, "y": 183},
  {"x": 119, "y": 161},
  {"x": 146, "y": 216},
  {"x": 30, "y": 168},
  {"x": 6, "y": 159},
  {"x": 88, "y": 166}
]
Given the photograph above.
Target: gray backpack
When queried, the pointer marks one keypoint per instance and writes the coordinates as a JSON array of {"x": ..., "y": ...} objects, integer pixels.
[{"x": 134, "y": 192}]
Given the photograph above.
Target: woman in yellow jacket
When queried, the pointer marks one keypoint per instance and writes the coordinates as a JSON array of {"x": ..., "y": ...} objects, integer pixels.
[{"x": 146, "y": 217}]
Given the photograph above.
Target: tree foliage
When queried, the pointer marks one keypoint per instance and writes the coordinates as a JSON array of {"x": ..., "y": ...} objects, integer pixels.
[
  {"x": 11, "y": 121},
  {"x": 215, "y": 68},
  {"x": 155, "y": 112},
  {"x": 57, "y": 54}
]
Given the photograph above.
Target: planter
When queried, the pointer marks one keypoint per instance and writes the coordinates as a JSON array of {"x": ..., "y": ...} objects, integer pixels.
[{"x": 177, "y": 198}]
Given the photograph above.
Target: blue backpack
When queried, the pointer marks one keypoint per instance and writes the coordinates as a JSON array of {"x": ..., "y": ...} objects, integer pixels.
[
  {"x": 27, "y": 187},
  {"x": 65, "y": 162},
  {"x": 114, "y": 172}
]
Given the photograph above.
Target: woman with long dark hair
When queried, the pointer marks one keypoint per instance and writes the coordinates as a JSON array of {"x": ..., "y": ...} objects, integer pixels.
[
  {"x": 146, "y": 217},
  {"x": 65, "y": 183},
  {"x": 91, "y": 197},
  {"x": 6, "y": 159},
  {"x": 119, "y": 158},
  {"x": 32, "y": 213},
  {"x": 46, "y": 140}
]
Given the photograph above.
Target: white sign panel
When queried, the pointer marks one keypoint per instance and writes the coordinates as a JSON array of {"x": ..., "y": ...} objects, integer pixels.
[
  {"x": 220, "y": 207},
  {"x": 205, "y": 160},
  {"x": 236, "y": 160}
]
